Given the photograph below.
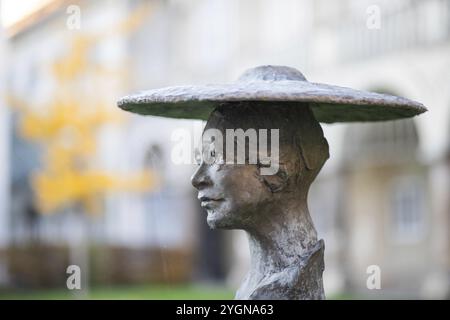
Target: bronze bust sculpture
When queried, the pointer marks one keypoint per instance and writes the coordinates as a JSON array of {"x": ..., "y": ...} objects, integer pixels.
[{"x": 287, "y": 259}]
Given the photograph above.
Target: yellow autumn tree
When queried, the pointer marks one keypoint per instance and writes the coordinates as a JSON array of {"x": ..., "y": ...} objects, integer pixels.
[{"x": 66, "y": 128}]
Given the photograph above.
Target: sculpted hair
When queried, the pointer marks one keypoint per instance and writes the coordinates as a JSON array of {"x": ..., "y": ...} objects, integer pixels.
[{"x": 303, "y": 147}]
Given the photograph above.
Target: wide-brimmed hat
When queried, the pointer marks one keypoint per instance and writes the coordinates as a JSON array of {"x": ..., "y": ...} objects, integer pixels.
[{"x": 276, "y": 84}]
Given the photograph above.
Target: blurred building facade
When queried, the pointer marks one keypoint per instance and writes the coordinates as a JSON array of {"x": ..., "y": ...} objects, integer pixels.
[
  {"x": 383, "y": 197},
  {"x": 138, "y": 236}
]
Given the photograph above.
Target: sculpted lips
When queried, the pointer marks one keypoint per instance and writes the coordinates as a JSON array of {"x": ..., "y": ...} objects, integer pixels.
[{"x": 208, "y": 202}]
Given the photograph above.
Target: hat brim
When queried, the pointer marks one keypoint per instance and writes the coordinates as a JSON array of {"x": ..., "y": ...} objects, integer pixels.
[{"x": 329, "y": 103}]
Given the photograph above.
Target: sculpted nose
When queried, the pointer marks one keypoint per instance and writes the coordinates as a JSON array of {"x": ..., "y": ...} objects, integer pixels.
[{"x": 200, "y": 178}]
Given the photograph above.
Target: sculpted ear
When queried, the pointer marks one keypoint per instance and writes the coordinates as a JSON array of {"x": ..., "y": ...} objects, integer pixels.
[
  {"x": 276, "y": 182},
  {"x": 312, "y": 143}
]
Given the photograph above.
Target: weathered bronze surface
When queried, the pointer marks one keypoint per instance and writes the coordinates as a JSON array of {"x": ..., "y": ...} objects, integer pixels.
[
  {"x": 275, "y": 84},
  {"x": 286, "y": 256}
]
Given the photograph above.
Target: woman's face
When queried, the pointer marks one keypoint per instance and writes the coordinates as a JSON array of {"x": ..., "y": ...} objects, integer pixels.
[
  {"x": 231, "y": 193},
  {"x": 237, "y": 196}
]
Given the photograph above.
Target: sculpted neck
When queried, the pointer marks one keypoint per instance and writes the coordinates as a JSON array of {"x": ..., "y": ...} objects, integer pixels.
[{"x": 279, "y": 239}]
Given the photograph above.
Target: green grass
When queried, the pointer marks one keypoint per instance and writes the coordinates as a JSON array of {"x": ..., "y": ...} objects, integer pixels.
[
  {"x": 147, "y": 292},
  {"x": 139, "y": 292}
]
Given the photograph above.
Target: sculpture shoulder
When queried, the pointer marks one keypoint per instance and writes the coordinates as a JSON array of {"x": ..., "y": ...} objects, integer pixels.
[{"x": 299, "y": 282}]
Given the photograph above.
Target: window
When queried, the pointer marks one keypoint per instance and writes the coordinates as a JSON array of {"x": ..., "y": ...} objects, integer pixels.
[{"x": 407, "y": 209}]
